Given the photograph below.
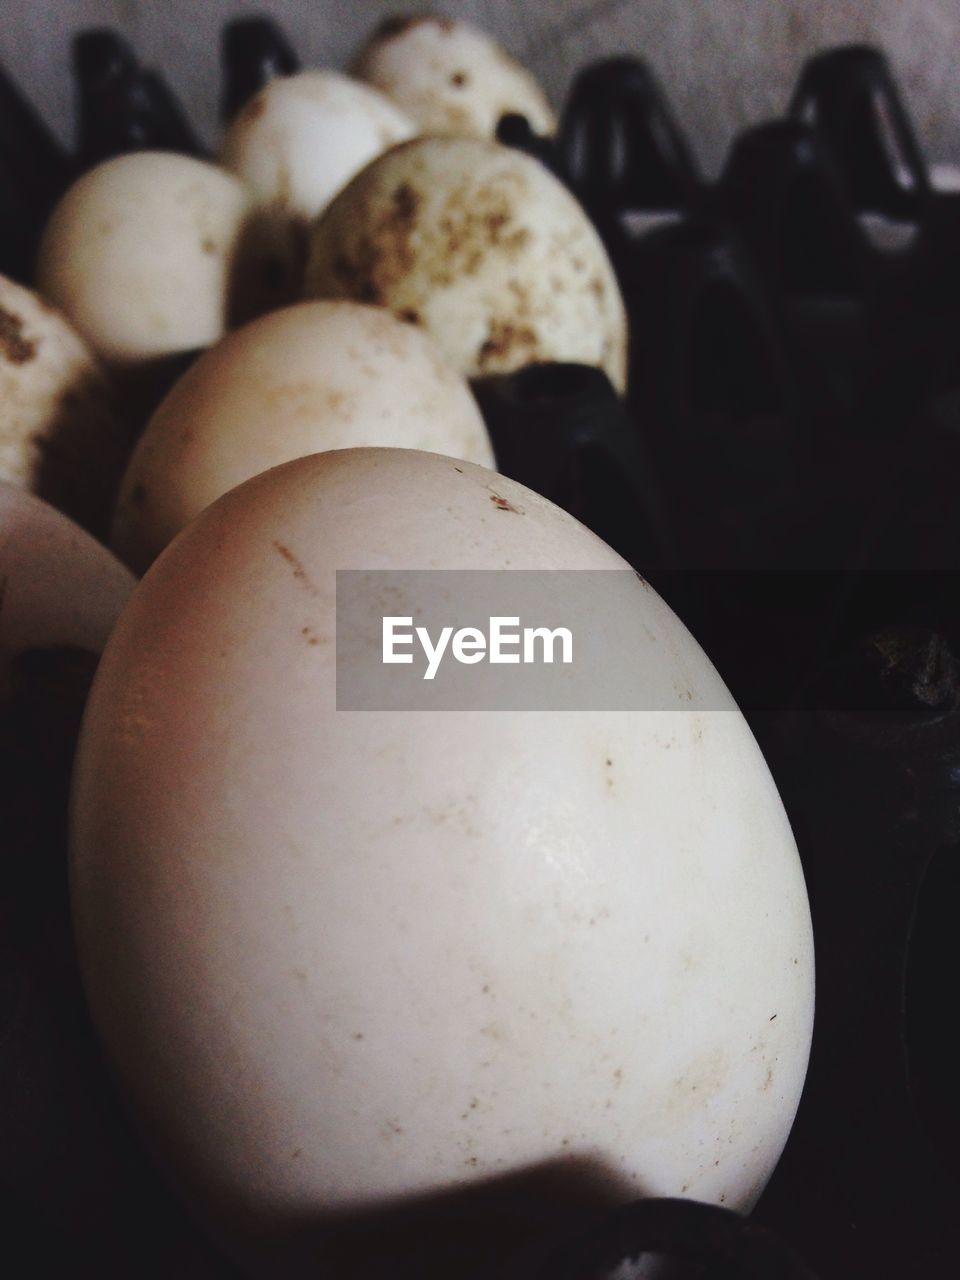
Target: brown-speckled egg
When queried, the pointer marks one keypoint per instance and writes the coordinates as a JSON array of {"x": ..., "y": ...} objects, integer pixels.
[
  {"x": 59, "y": 434},
  {"x": 317, "y": 376},
  {"x": 482, "y": 247},
  {"x": 450, "y": 77}
]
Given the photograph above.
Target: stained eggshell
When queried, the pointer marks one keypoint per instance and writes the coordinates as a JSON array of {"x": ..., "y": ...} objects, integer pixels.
[
  {"x": 320, "y": 375},
  {"x": 481, "y": 246},
  {"x": 147, "y": 254},
  {"x": 347, "y": 961},
  {"x": 59, "y": 433},
  {"x": 450, "y": 77},
  {"x": 58, "y": 586},
  {"x": 302, "y": 138}
]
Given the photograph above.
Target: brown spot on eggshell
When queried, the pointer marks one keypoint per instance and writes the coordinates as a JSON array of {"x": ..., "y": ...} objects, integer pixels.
[
  {"x": 384, "y": 256},
  {"x": 254, "y": 108},
  {"x": 502, "y": 341},
  {"x": 503, "y": 505},
  {"x": 14, "y": 346},
  {"x": 299, "y": 572},
  {"x": 459, "y": 79}
]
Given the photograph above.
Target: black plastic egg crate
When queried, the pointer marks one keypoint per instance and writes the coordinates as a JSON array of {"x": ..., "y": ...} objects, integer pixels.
[{"x": 785, "y": 469}]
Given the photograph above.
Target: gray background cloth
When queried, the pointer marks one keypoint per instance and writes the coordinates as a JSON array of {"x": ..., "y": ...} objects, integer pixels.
[{"x": 726, "y": 63}]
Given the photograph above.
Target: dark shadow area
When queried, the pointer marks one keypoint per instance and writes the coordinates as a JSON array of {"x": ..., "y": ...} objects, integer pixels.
[{"x": 503, "y": 1227}]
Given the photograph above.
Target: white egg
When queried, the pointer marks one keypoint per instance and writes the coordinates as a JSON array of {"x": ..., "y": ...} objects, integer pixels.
[
  {"x": 348, "y": 961},
  {"x": 147, "y": 253},
  {"x": 58, "y": 586},
  {"x": 484, "y": 248},
  {"x": 59, "y": 434},
  {"x": 303, "y": 137},
  {"x": 450, "y": 77},
  {"x": 321, "y": 375}
]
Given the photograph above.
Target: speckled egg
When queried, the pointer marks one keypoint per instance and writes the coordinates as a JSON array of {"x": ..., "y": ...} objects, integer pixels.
[
  {"x": 146, "y": 253},
  {"x": 482, "y": 247},
  {"x": 450, "y": 77},
  {"x": 349, "y": 964},
  {"x": 321, "y": 375},
  {"x": 59, "y": 434}
]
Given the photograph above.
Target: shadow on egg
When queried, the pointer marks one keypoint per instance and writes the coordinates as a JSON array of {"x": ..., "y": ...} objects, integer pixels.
[
  {"x": 266, "y": 264},
  {"x": 65, "y": 475},
  {"x": 503, "y": 1226}
]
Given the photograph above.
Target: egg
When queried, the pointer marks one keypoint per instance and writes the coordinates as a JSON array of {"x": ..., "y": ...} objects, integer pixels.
[
  {"x": 58, "y": 585},
  {"x": 302, "y": 138},
  {"x": 59, "y": 433},
  {"x": 148, "y": 253},
  {"x": 321, "y": 375},
  {"x": 450, "y": 77},
  {"x": 481, "y": 246},
  {"x": 352, "y": 963}
]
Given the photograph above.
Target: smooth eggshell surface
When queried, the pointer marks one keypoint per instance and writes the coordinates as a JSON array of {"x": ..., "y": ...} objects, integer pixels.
[
  {"x": 342, "y": 959},
  {"x": 451, "y": 78},
  {"x": 144, "y": 252},
  {"x": 303, "y": 137},
  {"x": 57, "y": 585},
  {"x": 59, "y": 434},
  {"x": 321, "y": 375},
  {"x": 481, "y": 246}
]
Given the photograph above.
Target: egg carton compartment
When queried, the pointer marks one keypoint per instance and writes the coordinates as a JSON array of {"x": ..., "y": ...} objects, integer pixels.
[{"x": 783, "y": 469}]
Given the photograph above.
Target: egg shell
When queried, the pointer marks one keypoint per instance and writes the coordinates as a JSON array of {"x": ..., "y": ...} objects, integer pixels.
[
  {"x": 58, "y": 586},
  {"x": 59, "y": 433},
  {"x": 343, "y": 961},
  {"x": 321, "y": 375},
  {"x": 484, "y": 248},
  {"x": 303, "y": 137},
  {"x": 145, "y": 252},
  {"x": 451, "y": 78}
]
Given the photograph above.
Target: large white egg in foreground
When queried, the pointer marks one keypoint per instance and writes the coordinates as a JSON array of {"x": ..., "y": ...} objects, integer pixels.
[
  {"x": 342, "y": 960},
  {"x": 484, "y": 248},
  {"x": 321, "y": 375}
]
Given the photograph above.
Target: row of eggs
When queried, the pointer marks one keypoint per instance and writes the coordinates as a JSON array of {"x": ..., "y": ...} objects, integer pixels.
[{"x": 342, "y": 961}]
